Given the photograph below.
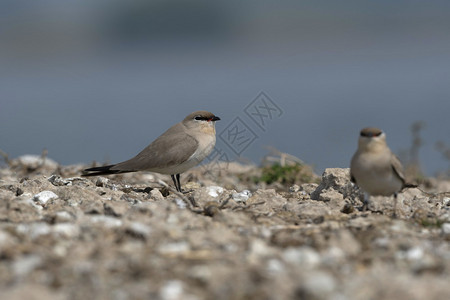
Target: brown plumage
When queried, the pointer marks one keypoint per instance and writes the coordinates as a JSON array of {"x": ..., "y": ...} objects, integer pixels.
[{"x": 181, "y": 147}]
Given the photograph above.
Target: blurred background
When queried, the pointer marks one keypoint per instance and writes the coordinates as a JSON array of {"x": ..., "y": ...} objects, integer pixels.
[{"x": 99, "y": 80}]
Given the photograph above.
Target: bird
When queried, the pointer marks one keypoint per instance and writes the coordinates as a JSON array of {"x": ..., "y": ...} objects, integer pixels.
[
  {"x": 181, "y": 147},
  {"x": 375, "y": 169}
]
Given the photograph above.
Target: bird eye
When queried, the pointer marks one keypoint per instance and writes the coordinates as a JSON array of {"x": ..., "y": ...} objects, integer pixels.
[{"x": 200, "y": 118}]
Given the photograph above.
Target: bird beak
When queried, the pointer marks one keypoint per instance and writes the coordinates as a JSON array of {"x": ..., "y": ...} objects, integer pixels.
[{"x": 214, "y": 119}]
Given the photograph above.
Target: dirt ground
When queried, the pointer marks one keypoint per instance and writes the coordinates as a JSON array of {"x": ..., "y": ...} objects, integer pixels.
[{"x": 63, "y": 236}]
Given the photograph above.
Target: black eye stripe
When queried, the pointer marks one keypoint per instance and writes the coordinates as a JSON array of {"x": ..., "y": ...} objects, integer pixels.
[
  {"x": 370, "y": 134},
  {"x": 203, "y": 118}
]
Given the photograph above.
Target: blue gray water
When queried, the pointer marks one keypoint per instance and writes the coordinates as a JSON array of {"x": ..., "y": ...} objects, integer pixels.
[{"x": 103, "y": 95}]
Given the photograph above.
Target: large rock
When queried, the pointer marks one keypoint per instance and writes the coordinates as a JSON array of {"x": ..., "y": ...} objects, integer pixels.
[{"x": 335, "y": 179}]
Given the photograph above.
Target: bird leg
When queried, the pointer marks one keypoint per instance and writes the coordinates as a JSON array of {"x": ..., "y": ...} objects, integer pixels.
[
  {"x": 395, "y": 206},
  {"x": 179, "y": 186},
  {"x": 366, "y": 202},
  {"x": 176, "y": 182}
]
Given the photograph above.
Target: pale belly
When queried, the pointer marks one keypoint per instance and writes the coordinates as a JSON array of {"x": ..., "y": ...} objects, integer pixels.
[
  {"x": 379, "y": 185},
  {"x": 375, "y": 179}
]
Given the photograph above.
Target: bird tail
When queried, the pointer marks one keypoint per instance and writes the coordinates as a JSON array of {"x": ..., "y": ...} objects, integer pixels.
[
  {"x": 105, "y": 170},
  {"x": 410, "y": 185}
]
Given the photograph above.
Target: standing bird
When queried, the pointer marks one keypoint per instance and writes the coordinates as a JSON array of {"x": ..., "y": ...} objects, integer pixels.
[
  {"x": 181, "y": 147},
  {"x": 374, "y": 168}
]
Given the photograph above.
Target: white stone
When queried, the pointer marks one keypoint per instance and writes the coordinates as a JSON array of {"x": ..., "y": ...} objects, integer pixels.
[
  {"x": 180, "y": 203},
  {"x": 304, "y": 256},
  {"x": 34, "y": 230},
  {"x": 275, "y": 266},
  {"x": 201, "y": 273},
  {"x": 382, "y": 242},
  {"x": 148, "y": 177},
  {"x": 414, "y": 254},
  {"x": 242, "y": 196},
  {"x": 172, "y": 290},
  {"x": 60, "y": 250},
  {"x": 43, "y": 197},
  {"x": 174, "y": 248},
  {"x": 107, "y": 221},
  {"x": 333, "y": 255},
  {"x": 66, "y": 229},
  {"x": 25, "y": 265},
  {"x": 446, "y": 228},
  {"x": 259, "y": 249},
  {"x": 140, "y": 229},
  {"x": 214, "y": 191},
  {"x": 319, "y": 285}
]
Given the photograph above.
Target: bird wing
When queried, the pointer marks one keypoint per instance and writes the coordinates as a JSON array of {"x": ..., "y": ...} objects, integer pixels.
[
  {"x": 171, "y": 148},
  {"x": 397, "y": 167}
]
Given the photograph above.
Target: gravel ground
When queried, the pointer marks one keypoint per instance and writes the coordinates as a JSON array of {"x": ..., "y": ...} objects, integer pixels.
[{"x": 127, "y": 237}]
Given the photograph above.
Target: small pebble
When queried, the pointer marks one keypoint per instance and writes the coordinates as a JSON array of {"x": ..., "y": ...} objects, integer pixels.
[
  {"x": 242, "y": 196},
  {"x": 446, "y": 201},
  {"x": 156, "y": 195},
  {"x": 56, "y": 180},
  {"x": 348, "y": 208},
  {"x": 101, "y": 182},
  {"x": 294, "y": 189},
  {"x": 19, "y": 191}
]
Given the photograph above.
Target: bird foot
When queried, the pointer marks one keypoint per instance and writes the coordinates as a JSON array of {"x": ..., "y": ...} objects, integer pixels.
[
  {"x": 183, "y": 191},
  {"x": 364, "y": 207},
  {"x": 186, "y": 191}
]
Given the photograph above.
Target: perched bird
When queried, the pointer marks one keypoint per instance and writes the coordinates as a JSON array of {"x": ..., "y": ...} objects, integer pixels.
[
  {"x": 374, "y": 168},
  {"x": 180, "y": 148}
]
